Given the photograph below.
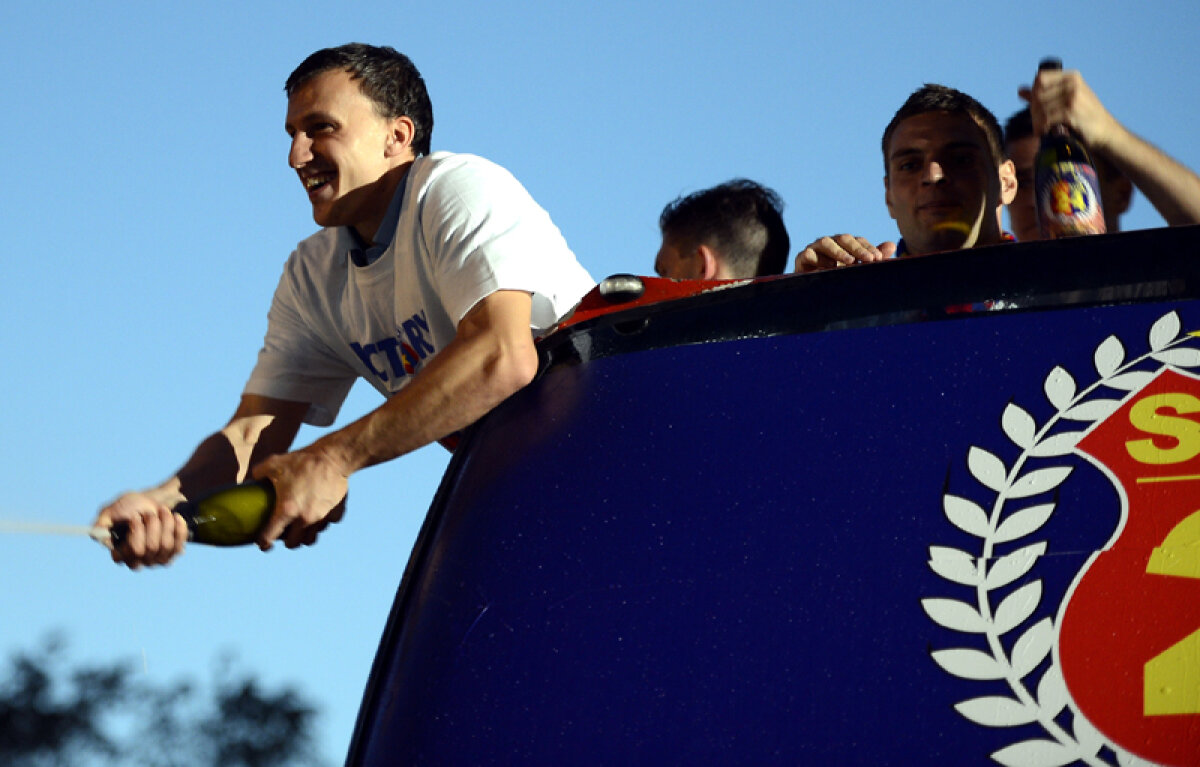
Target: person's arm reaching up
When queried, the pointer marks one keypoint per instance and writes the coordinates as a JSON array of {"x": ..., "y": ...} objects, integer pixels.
[{"x": 1059, "y": 97}]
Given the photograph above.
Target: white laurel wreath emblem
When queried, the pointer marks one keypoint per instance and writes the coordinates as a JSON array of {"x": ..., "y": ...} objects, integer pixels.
[{"x": 986, "y": 573}]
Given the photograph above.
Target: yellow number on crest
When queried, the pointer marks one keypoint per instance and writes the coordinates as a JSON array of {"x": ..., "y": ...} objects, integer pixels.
[{"x": 1171, "y": 684}]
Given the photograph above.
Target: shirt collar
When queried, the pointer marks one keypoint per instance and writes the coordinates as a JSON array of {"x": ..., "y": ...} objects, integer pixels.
[{"x": 363, "y": 254}]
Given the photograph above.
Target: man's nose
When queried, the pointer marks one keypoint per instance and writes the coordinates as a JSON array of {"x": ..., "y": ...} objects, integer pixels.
[
  {"x": 300, "y": 151},
  {"x": 933, "y": 173}
]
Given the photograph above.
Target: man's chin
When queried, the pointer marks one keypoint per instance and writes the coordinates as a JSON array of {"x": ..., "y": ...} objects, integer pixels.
[
  {"x": 325, "y": 216},
  {"x": 937, "y": 241}
]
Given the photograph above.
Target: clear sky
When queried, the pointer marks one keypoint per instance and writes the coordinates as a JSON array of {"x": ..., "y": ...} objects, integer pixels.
[{"x": 148, "y": 210}]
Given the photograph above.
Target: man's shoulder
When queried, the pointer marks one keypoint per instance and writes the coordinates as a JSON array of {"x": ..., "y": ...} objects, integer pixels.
[
  {"x": 444, "y": 162},
  {"x": 319, "y": 246},
  {"x": 450, "y": 169}
]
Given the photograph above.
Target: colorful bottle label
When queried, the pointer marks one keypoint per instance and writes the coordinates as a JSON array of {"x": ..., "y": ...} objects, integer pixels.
[{"x": 1069, "y": 201}]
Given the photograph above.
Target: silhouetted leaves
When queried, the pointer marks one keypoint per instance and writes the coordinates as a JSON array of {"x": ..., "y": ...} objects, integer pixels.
[{"x": 52, "y": 716}]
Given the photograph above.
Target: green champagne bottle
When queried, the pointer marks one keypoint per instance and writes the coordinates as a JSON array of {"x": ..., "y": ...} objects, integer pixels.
[{"x": 227, "y": 516}]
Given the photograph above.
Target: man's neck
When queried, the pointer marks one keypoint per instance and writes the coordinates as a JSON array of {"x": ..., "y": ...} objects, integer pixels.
[{"x": 384, "y": 191}]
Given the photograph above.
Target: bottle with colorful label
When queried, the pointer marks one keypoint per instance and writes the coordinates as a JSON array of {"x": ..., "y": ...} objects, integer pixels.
[{"x": 1065, "y": 182}]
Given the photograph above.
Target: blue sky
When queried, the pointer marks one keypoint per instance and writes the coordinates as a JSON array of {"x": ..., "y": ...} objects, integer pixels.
[{"x": 148, "y": 210}]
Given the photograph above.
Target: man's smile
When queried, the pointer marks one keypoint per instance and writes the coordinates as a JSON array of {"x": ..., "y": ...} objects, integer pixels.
[{"x": 315, "y": 181}]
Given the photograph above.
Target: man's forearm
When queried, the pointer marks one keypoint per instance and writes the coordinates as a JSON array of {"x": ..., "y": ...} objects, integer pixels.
[
  {"x": 260, "y": 427},
  {"x": 1172, "y": 188},
  {"x": 211, "y": 464},
  {"x": 491, "y": 356},
  {"x": 460, "y": 385}
]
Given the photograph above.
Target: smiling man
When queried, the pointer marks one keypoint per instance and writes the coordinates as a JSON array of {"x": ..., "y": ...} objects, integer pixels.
[
  {"x": 429, "y": 279},
  {"x": 946, "y": 180}
]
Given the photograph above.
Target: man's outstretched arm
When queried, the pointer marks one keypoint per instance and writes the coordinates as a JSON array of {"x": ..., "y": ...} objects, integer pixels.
[
  {"x": 260, "y": 427},
  {"x": 491, "y": 357}
]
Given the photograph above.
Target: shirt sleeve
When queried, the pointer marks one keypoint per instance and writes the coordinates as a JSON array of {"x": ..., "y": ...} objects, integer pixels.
[
  {"x": 484, "y": 233},
  {"x": 294, "y": 363}
]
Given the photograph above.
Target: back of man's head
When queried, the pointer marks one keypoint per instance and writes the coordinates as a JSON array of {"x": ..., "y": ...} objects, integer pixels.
[
  {"x": 940, "y": 98},
  {"x": 1019, "y": 126},
  {"x": 386, "y": 76},
  {"x": 740, "y": 219}
]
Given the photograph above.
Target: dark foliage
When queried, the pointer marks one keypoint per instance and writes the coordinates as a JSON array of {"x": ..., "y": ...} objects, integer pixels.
[{"x": 51, "y": 716}]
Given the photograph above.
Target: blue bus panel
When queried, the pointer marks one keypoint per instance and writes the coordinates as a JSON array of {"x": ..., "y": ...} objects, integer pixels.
[{"x": 938, "y": 511}]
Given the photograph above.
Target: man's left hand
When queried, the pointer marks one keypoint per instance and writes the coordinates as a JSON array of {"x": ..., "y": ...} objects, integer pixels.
[
  {"x": 310, "y": 493},
  {"x": 1064, "y": 98}
]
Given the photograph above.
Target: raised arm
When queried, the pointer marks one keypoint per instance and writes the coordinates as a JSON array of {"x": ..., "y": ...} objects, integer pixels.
[
  {"x": 490, "y": 358},
  {"x": 1063, "y": 97},
  {"x": 260, "y": 427}
]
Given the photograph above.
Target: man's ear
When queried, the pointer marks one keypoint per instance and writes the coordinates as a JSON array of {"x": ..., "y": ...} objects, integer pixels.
[
  {"x": 707, "y": 263},
  {"x": 1008, "y": 182},
  {"x": 887, "y": 195},
  {"x": 402, "y": 132}
]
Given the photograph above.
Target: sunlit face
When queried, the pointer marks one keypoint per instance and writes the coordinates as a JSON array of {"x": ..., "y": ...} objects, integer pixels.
[
  {"x": 678, "y": 263},
  {"x": 1022, "y": 212},
  {"x": 943, "y": 187},
  {"x": 341, "y": 149}
]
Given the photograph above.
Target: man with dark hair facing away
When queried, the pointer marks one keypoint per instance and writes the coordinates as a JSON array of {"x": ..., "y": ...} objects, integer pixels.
[
  {"x": 429, "y": 278},
  {"x": 733, "y": 230},
  {"x": 1123, "y": 160},
  {"x": 946, "y": 180}
]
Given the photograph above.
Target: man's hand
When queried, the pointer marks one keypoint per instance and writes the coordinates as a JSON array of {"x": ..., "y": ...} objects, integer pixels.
[
  {"x": 310, "y": 492},
  {"x": 1064, "y": 98},
  {"x": 155, "y": 535},
  {"x": 841, "y": 250}
]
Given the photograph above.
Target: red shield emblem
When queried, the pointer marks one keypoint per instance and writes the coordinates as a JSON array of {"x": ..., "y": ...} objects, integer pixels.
[{"x": 1129, "y": 632}]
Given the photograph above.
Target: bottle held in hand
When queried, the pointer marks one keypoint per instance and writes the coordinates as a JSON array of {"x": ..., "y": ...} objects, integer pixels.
[
  {"x": 228, "y": 516},
  {"x": 1065, "y": 182}
]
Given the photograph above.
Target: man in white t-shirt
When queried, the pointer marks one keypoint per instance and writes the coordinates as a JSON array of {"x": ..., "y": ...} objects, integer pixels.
[{"x": 427, "y": 279}]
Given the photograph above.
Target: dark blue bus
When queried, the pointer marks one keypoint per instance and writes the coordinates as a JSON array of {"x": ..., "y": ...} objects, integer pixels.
[{"x": 935, "y": 511}]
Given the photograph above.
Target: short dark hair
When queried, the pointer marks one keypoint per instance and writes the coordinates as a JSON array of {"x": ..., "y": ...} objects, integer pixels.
[
  {"x": 1019, "y": 126},
  {"x": 939, "y": 98},
  {"x": 740, "y": 218},
  {"x": 386, "y": 76}
]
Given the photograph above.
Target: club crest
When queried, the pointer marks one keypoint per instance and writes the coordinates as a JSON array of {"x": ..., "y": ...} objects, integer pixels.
[{"x": 1111, "y": 674}]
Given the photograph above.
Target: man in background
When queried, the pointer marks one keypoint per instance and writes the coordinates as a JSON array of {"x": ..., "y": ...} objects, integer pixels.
[
  {"x": 945, "y": 180},
  {"x": 733, "y": 230},
  {"x": 1122, "y": 159}
]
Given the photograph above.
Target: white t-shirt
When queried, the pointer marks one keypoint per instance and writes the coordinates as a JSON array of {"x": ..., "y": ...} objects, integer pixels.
[{"x": 466, "y": 229}]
